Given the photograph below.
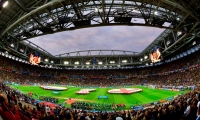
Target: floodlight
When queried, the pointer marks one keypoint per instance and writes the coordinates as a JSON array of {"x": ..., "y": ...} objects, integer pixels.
[
  {"x": 100, "y": 63},
  {"x": 124, "y": 61},
  {"x": 194, "y": 43},
  {"x": 96, "y": 9},
  {"x": 4, "y": 3},
  {"x": 145, "y": 57},
  {"x": 156, "y": 12},
  {"x": 112, "y": 62},
  {"x": 12, "y": 45},
  {"x": 168, "y": 42},
  {"x": 66, "y": 62},
  {"x": 76, "y": 63},
  {"x": 87, "y": 63},
  {"x": 21, "y": 50},
  {"x": 46, "y": 60},
  {"x": 179, "y": 33}
]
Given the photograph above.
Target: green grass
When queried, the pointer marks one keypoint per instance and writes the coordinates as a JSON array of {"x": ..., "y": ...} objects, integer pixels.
[{"x": 146, "y": 96}]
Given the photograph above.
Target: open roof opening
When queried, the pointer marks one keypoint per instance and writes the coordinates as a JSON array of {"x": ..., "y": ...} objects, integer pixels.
[{"x": 129, "y": 38}]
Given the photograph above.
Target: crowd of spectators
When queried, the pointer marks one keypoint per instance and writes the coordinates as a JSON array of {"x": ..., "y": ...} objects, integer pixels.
[
  {"x": 48, "y": 99},
  {"x": 13, "y": 71},
  {"x": 92, "y": 106},
  {"x": 183, "y": 107}
]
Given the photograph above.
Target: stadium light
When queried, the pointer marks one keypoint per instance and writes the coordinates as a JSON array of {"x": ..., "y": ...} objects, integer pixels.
[
  {"x": 100, "y": 63},
  {"x": 46, "y": 60},
  {"x": 66, "y": 62},
  {"x": 168, "y": 42},
  {"x": 179, "y": 33},
  {"x": 112, "y": 62},
  {"x": 12, "y": 45},
  {"x": 52, "y": 61},
  {"x": 141, "y": 59},
  {"x": 96, "y": 9},
  {"x": 124, "y": 61},
  {"x": 194, "y": 43},
  {"x": 21, "y": 50},
  {"x": 76, "y": 63},
  {"x": 4, "y": 3},
  {"x": 87, "y": 63},
  {"x": 156, "y": 12},
  {"x": 145, "y": 57}
]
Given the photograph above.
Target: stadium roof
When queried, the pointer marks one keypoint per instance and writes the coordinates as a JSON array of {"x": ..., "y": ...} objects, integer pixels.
[{"x": 24, "y": 19}]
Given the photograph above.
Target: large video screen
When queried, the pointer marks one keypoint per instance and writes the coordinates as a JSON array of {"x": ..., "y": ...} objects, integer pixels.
[
  {"x": 155, "y": 55},
  {"x": 34, "y": 59}
]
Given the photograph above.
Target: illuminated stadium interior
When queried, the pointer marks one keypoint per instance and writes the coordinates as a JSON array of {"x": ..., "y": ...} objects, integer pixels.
[{"x": 157, "y": 82}]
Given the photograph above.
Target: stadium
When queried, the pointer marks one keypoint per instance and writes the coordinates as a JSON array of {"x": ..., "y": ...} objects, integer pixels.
[{"x": 161, "y": 82}]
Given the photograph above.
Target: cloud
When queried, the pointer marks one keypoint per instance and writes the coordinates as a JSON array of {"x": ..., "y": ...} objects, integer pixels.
[{"x": 129, "y": 38}]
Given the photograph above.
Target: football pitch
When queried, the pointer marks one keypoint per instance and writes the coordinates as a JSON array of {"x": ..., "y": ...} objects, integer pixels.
[{"x": 146, "y": 96}]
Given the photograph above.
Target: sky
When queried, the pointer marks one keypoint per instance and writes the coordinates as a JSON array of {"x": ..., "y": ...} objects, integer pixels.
[{"x": 127, "y": 38}]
